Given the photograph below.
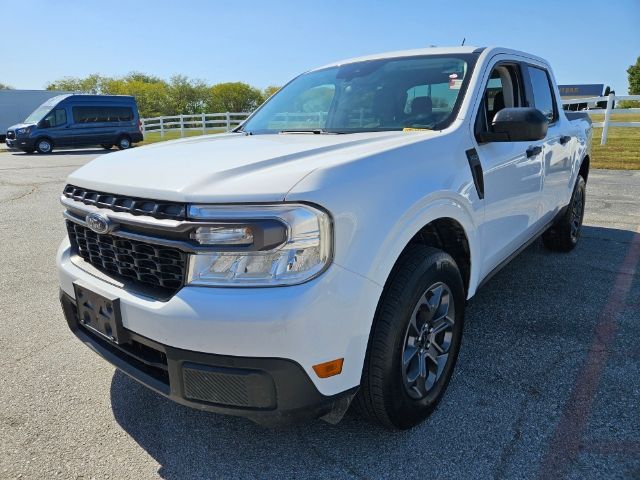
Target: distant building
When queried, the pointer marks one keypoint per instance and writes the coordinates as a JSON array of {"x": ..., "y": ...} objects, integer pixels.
[
  {"x": 16, "y": 105},
  {"x": 572, "y": 92}
]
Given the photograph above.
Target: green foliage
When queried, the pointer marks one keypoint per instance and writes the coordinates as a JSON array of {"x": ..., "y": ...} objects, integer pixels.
[
  {"x": 270, "y": 90},
  {"x": 180, "y": 95},
  {"x": 233, "y": 97},
  {"x": 5, "y": 87},
  {"x": 628, "y": 104},
  {"x": 634, "y": 78}
]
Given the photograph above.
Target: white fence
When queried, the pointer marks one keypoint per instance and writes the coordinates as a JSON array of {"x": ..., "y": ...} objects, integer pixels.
[
  {"x": 610, "y": 99},
  {"x": 228, "y": 120},
  {"x": 200, "y": 121}
]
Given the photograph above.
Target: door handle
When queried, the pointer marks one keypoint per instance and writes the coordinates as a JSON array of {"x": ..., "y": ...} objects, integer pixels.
[
  {"x": 564, "y": 139},
  {"x": 533, "y": 151}
]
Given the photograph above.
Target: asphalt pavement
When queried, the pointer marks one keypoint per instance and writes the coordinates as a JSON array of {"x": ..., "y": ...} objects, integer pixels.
[{"x": 547, "y": 383}]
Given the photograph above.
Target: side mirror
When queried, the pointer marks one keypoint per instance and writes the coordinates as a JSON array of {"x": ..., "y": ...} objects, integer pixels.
[{"x": 521, "y": 124}]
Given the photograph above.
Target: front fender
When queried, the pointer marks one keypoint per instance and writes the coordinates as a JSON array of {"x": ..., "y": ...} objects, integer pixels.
[{"x": 430, "y": 208}]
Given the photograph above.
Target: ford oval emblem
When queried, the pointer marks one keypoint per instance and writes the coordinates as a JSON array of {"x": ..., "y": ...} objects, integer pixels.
[{"x": 99, "y": 223}]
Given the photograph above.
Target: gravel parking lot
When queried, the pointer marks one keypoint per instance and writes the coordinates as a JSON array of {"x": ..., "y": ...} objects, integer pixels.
[{"x": 547, "y": 385}]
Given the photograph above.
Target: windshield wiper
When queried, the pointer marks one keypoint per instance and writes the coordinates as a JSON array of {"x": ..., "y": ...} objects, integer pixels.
[{"x": 316, "y": 131}]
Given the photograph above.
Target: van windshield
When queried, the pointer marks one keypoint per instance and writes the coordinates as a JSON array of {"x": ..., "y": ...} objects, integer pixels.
[
  {"x": 421, "y": 92},
  {"x": 38, "y": 114}
]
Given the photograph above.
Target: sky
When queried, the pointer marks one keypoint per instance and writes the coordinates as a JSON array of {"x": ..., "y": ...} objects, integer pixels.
[{"x": 269, "y": 42}]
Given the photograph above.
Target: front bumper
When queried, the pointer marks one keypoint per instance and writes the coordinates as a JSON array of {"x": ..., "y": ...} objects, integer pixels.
[
  {"x": 304, "y": 325},
  {"x": 269, "y": 391},
  {"x": 20, "y": 143}
]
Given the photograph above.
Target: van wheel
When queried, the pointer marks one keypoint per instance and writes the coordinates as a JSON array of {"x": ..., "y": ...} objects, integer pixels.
[
  {"x": 415, "y": 339},
  {"x": 124, "y": 142},
  {"x": 44, "y": 145},
  {"x": 107, "y": 146}
]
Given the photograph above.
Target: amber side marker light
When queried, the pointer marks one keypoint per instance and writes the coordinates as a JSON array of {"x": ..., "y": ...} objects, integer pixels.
[{"x": 329, "y": 369}]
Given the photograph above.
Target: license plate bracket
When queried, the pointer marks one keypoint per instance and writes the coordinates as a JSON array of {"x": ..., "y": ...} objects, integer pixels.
[{"x": 99, "y": 313}]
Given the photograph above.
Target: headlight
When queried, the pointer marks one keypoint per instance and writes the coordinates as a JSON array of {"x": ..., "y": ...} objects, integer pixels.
[{"x": 266, "y": 245}]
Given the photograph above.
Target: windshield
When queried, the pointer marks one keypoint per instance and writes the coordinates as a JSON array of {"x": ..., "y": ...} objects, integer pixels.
[
  {"x": 38, "y": 114},
  {"x": 422, "y": 92}
]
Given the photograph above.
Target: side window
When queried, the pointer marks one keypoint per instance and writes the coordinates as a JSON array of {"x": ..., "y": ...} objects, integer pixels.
[
  {"x": 102, "y": 114},
  {"x": 503, "y": 90},
  {"x": 55, "y": 118},
  {"x": 542, "y": 96}
]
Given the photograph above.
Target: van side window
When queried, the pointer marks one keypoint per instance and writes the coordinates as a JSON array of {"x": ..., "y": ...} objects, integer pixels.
[
  {"x": 55, "y": 118},
  {"x": 102, "y": 114},
  {"x": 542, "y": 97}
]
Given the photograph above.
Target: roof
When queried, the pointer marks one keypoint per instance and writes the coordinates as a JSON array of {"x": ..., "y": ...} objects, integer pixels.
[
  {"x": 489, "y": 51},
  {"x": 86, "y": 97},
  {"x": 406, "y": 53}
]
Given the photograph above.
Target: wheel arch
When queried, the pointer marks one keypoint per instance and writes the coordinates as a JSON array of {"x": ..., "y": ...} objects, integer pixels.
[
  {"x": 447, "y": 225},
  {"x": 584, "y": 168}
]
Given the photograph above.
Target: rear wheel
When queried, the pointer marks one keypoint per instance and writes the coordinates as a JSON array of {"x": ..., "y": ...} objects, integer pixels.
[
  {"x": 563, "y": 235},
  {"x": 44, "y": 145},
  {"x": 124, "y": 142},
  {"x": 415, "y": 339}
]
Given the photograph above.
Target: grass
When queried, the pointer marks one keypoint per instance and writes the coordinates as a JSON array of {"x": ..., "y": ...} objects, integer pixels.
[{"x": 622, "y": 151}]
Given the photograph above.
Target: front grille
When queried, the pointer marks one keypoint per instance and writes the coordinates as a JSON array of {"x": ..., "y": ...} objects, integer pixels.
[
  {"x": 150, "y": 264},
  {"x": 123, "y": 203},
  {"x": 11, "y": 135}
]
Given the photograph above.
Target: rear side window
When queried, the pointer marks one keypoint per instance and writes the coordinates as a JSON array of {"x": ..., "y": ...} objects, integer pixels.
[
  {"x": 102, "y": 114},
  {"x": 542, "y": 96}
]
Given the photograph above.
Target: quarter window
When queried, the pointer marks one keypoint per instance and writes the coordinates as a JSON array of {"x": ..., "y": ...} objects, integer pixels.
[{"x": 542, "y": 96}]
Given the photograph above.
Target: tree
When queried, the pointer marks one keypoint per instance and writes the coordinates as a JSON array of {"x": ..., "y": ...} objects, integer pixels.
[
  {"x": 270, "y": 90},
  {"x": 634, "y": 78},
  {"x": 5, "y": 87},
  {"x": 91, "y": 84},
  {"x": 233, "y": 97},
  {"x": 188, "y": 96},
  {"x": 634, "y": 85}
]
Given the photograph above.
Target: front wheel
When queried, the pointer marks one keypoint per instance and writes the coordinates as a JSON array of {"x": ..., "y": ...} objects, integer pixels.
[
  {"x": 44, "y": 145},
  {"x": 415, "y": 339},
  {"x": 564, "y": 234}
]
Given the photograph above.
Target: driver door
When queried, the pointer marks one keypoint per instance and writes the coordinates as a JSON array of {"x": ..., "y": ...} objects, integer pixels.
[
  {"x": 56, "y": 124},
  {"x": 513, "y": 171}
]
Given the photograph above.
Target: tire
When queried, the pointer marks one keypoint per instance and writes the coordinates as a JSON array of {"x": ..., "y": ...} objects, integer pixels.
[
  {"x": 387, "y": 394},
  {"x": 124, "y": 142},
  {"x": 106, "y": 146},
  {"x": 44, "y": 145},
  {"x": 563, "y": 235}
]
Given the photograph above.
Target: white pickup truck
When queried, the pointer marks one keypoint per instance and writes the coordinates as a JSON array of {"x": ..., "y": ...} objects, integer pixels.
[{"x": 323, "y": 251}]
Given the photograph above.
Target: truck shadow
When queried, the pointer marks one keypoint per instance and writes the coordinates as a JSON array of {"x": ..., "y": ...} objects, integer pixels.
[{"x": 526, "y": 335}]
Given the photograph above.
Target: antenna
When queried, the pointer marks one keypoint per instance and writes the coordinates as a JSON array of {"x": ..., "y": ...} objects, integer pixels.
[{"x": 463, "y": 40}]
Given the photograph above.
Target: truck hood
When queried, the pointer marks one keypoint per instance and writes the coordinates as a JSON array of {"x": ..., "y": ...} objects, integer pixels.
[{"x": 229, "y": 167}]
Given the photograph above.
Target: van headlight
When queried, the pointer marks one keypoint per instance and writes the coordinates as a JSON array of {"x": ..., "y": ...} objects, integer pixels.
[{"x": 256, "y": 246}]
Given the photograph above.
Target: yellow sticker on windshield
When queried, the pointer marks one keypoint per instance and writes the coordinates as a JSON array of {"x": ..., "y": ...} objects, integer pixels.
[{"x": 407, "y": 129}]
